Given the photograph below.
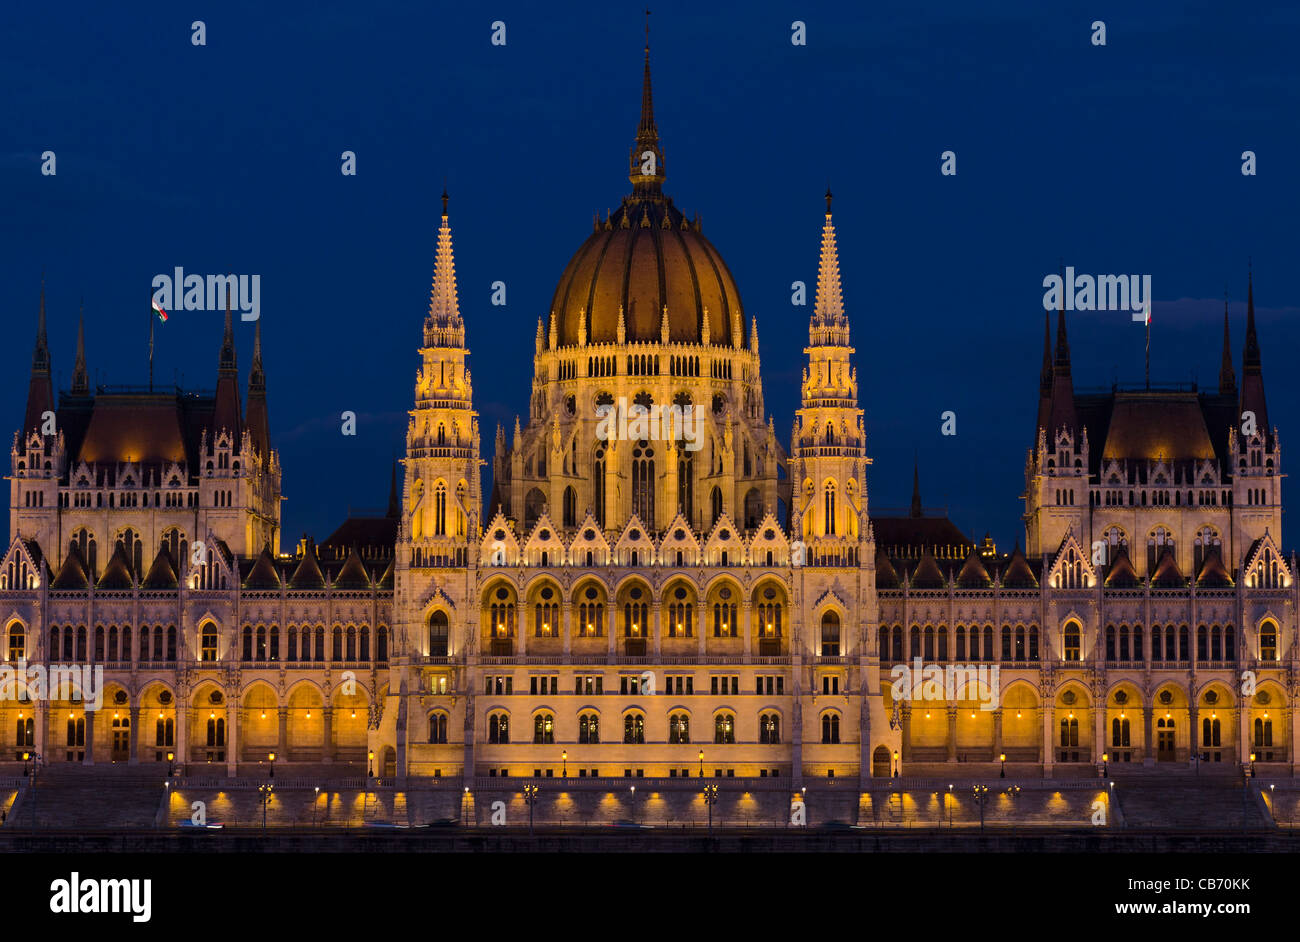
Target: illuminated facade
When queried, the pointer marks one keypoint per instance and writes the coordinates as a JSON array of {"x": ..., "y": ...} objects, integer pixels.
[{"x": 644, "y": 606}]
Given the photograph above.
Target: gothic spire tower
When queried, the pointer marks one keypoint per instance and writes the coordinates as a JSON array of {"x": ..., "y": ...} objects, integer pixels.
[
  {"x": 442, "y": 505},
  {"x": 828, "y": 463}
]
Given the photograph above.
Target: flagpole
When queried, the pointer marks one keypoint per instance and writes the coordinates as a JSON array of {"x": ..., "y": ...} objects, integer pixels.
[
  {"x": 1148, "y": 343},
  {"x": 150, "y": 341}
]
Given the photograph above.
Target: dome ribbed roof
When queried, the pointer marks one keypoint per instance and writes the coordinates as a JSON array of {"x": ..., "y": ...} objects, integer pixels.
[{"x": 636, "y": 262}]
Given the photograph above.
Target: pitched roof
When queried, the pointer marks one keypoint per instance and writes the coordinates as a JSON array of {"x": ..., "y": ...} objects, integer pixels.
[
  {"x": 927, "y": 574},
  {"x": 264, "y": 574},
  {"x": 162, "y": 575},
  {"x": 1121, "y": 574},
  {"x": 973, "y": 573},
  {"x": 886, "y": 576},
  {"x": 386, "y": 580},
  {"x": 1167, "y": 574},
  {"x": 1018, "y": 574},
  {"x": 72, "y": 574},
  {"x": 353, "y": 575},
  {"x": 1213, "y": 575},
  {"x": 917, "y": 532},
  {"x": 117, "y": 574},
  {"x": 308, "y": 574}
]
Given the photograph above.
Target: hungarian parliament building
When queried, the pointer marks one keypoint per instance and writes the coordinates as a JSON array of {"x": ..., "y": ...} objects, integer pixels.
[{"x": 628, "y": 603}]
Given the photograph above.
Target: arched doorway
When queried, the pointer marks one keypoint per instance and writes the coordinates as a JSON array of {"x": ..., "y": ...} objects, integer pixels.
[
  {"x": 1166, "y": 744},
  {"x": 390, "y": 762},
  {"x": 880, "y": 762}
]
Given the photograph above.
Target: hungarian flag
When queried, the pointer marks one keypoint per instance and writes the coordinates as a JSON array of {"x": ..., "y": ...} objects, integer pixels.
[{"x": 162, "y": 315}]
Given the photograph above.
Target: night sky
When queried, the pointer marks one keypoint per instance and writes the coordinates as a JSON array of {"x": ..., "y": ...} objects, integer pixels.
[{"x": 1117, "y": 159}]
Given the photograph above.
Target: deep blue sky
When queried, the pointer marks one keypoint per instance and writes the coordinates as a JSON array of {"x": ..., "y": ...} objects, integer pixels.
[{"x": 1121, "y": 159}]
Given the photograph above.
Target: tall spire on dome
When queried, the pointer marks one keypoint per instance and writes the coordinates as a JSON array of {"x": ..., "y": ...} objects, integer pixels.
[
  {"x": 444, "y": 307},
  {"x": 646, "y": 163},
  {"x": 1252, "y": 368},
  {"x": 828, "y": 308},
  {"x": 40, "y": 391},
  {"x": 1227, "y": 378},
  {"x": 80, "y": 380}
]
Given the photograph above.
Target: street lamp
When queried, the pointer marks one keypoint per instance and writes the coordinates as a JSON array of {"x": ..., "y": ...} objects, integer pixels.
[
  {"x": 564, "y": 759},
  {"x": 633, "y": 804},
  {"x": 895, "y": 763},
  {"x": 171, "y": 765},
  {"x": 1105, "y": 765},
  {"x": 264, "y": 791},
  {"x": 701, "y": 763},
  {"x": 1252, "y": 765},
  {"x": 370, "y": 764},
  {"x": 1003, "y": 759},
  {"x": 314, "y": 802},
  {"x": 981, "y": 795},
  {"x": 270, "y": 757},
  {"x": 950, "y": 799},
  {"x": 530, "y": 796},
  {"x": 710, "y": 797}
]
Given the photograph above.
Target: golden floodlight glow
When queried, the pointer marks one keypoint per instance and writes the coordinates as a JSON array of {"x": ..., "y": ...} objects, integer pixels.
[
  {"x": 354, "y": 714},
  {"x": 309, "y": 714},
  {"x": 263, "y": 714}
]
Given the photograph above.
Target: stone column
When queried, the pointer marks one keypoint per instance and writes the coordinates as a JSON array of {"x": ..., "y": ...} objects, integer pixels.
[
  {"x": 701, "y": 625},
  {"x": 282, "y": 733},
  {"x": 232, "y": 737},
  {"x": 1148, "y": 741},
  {"x": 613, "y": 630},
  {"x": 41, "y": 712},
  {"x": 182, "y": 735},
  {"x": 906, "y": 749},
  {"x": 134, "y": 736},
  {"x": 1098, "y": 730},
  {"x": 90, "y": 737},
  {"x": 328, "y": 747},
  {"x": 952, "y": 733},
  {"x": 1245, "y": 745},
  {"x": 997, "y": 733},
  {"x": 566, "y": 625},
  {"x": 1049, "y": 751},
  {"x": 747, "y": 626},
  {"x": 657, "y": 626},
  {"x": 1193, "y": 739}
]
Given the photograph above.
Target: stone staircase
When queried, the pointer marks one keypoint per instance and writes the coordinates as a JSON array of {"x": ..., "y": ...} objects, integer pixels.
[
  {"x": 89, "y": 798},
  {"x": 1190, "y": 803}
]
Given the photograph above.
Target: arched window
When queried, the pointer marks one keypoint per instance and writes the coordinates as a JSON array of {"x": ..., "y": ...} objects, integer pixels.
[
  {"x": 724, "y": 728},
  {"x": 1207, "y": 540},
  {"x": 643, "y": 482},
  {"x": 830, "y": 507},
  {"x": 1120, "y": 733},
  {"x": 1263, "y": 732},
  {"x": 498, "y": 728},
  {"x": 634, "y": 728},
  {"x": 208, "y": 641},
  {"x": 830, "y": 635},
  {"x": 830, "y": 728},
  {"x": 17, "y": 642},
  {"x": 1157, "y": 540},
  {"x": 588, "y": 728},
  {"x": 598, "y": 484},
  {"x": 543, "y": 729},
  {"x": 1069, "y": 731},
  {"x": 570, "y": 507},
  {"x": 1073, "y": 641},
  {"x": 1268, "y": 641},
  {"x": 438, "y": 634},
  {"x": 1211, "y": 732},
  {"x": 438, "y": 728},
  {"x": 686, "y": 488},
  {"x": 715, "y": 504},
  {"x": 440, "y": 507},
  {"x": 769, "y": 729},
  {"x": 679, "y": 728}
]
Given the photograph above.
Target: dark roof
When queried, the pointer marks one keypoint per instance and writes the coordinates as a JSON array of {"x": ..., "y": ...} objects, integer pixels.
[
  {"x": 1121, "y": 574},
  {"x": 1018, "y": 574},
  {"x": 927, "y": 574},
  {"x": 916, "y": 533},
  {"x": 308, "y": 574},
  {"x": 886, "y": 576},
  {"x": 142, "y": 426},
  {"x": 973, "y": 574},
  {"x": 353, "y": 575},
  {"x": 264, "y": 574},
  {"x": 374, "y": 536},
  {"x": 1213, "y": 575},
  {"x": 72, "y": 574},
  {"x": 1179, "y": 425},
  {"x": 117, "y": 574},
  {"x": 162, "y": 575},
  {"x": 1167, "y": 574},
  {"x": 385, "y": 581}
]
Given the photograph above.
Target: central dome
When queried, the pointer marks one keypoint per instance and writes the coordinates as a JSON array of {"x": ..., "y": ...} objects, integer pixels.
[{"x": 643, "y": 257}]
